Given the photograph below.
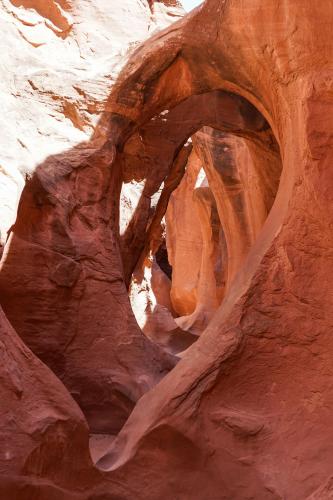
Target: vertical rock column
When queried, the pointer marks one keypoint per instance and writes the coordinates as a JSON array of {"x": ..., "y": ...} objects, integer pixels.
[
  {"x": 207, "y": 299},
  {"x": 244, "y": 178},
  {"x": 184, "y": 241}
]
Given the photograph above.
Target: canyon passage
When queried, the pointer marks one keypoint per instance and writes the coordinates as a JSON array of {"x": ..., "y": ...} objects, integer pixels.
[{"x": 166, "y": 243}]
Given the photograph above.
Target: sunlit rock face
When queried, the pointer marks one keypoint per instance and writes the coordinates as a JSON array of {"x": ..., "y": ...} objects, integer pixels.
[
  {"x": 209, "y": 231},
  {"x": 246, "y": 412},
  {"x": 59, "y": 62},
  {"x": 61, "y": 265},
  {"x": 213, "y": 218}
]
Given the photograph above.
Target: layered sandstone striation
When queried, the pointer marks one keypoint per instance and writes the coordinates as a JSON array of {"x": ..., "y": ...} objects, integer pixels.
[{"x": 246, "y": 413}]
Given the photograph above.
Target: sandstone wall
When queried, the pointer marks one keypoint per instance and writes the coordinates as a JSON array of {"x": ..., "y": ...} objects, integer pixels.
[
  {"x": 246, "y": 413},
  {"x": 249, "y": 402}
]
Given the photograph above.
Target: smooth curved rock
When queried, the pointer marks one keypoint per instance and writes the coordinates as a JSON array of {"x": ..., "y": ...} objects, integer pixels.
[
  {"x": 60, "y": 58},
  {"x": 44, "y": 436},
  {"x": 61, "y": 282},
  {"x": 194, "y": 249},
  {"x": 153, "y": 155},
  {"x": 267, "y": 351},
  {"x": 61, "y": 285},
  {"x": 247, "y": 411}
]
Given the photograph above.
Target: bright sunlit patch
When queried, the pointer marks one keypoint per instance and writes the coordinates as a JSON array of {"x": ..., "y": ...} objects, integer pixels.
[
  {"x": 129, "y": 200},
  {"x": 190, "y": 4}
]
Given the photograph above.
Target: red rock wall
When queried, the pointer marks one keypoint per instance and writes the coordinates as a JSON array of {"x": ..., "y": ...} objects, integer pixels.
[{"x": 246, "y": 413}]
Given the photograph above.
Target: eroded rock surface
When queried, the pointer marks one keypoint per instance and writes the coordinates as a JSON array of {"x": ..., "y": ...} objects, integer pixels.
[
  {"x": 246, "y": 413},
  {"x": 44, "y": 436},
  {"x": 61, "y": 283},
  {"x": 266, "y": 355},
  {"x": 60, "y": 59}
]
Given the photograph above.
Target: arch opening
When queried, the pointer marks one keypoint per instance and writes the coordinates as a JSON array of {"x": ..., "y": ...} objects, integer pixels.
[
  {"x": 204, "y": 176},
  {"x": 209, "y": 171}
]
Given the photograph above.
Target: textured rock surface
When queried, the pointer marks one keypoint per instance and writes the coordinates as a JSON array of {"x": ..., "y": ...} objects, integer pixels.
[
  {"x": 151, "y": 304},
  {"x": 154, "y": 155},
  {"x": 44, "y": 437},
  {"x": 244, "y": 180},
  {"x": 68, "y": 53},
  {"x": 247, "y": 411},
  {"x": 184, "y": 239},
  {"x": 214, "y": 217},
  {"x": 61, "y": 281}
]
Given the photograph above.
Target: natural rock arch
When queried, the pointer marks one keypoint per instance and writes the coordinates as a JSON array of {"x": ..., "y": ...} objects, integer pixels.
[
  {"x": 250, "y": 401},
  {"x": 155, "y": 153},
  {"x": 152, "y": 149},
  {"x": 268, "y": 330}
]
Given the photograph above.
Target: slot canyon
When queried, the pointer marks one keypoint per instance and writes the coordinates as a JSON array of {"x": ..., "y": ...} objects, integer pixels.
[{"x": 166, "y": 244}]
